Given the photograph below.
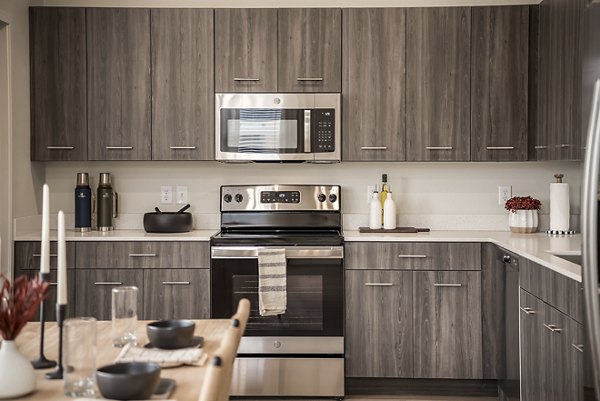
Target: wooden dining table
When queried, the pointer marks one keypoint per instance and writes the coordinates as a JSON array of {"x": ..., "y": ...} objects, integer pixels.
[{"x": 188, "y": 378}]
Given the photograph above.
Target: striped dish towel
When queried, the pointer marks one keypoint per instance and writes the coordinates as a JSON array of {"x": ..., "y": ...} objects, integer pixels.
[{"x": 272, "y": 291}]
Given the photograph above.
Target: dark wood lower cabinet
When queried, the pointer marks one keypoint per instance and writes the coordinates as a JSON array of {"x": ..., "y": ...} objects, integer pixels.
[{"x": 176, "y": 294}]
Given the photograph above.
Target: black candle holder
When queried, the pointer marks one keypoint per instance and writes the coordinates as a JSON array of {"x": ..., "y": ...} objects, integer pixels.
[
  {"x": 42, "y": 362},
  {"x": 61, "y": 314}
]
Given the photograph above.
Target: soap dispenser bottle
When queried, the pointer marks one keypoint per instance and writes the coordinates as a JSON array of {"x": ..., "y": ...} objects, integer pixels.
[{"x": 389, "y": 212}]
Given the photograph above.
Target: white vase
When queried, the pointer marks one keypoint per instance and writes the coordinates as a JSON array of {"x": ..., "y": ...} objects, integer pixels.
[
  {"x": 523, "y": 221},
  {"x": 17, "y": 376}
]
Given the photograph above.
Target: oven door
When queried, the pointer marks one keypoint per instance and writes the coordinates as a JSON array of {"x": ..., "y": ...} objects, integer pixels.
[{"x": 315, "y": 291}]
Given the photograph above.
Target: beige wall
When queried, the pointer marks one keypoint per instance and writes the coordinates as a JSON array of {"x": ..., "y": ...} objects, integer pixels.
[{"x": 277, "y": 3}]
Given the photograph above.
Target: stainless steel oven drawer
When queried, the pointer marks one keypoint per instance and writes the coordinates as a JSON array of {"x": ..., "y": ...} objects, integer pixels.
[
  {"x": 292, "y": 345},
  {"x": 300, "y": 377}
]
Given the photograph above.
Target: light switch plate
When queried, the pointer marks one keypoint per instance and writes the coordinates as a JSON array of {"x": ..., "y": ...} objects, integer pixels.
[
  {"x": 166, "y": 194},
  {"x": 182, "y": 195},
  {"x": 370, "y": 190},
  {"x": 504, "y": 194}
]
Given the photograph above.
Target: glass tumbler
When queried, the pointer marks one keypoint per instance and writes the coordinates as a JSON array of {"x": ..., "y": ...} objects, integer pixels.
[
  {"x": 79, "y": 358},
  {"x": 124, "y": 316}
]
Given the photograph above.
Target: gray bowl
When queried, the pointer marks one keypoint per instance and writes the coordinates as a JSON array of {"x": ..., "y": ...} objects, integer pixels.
[
  {"x": 168, "y": 222},
  {"x": 171, "y": 334},
  {"x": 128, "y": 381}
]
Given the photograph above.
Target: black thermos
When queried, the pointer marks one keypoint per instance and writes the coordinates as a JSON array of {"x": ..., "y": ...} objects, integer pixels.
[
  {"x": 83, "y": 203},
  {"x": 108, "y": 204}
]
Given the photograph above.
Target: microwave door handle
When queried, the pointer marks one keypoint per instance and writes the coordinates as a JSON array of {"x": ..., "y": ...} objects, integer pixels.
[{"x": 306, "y": 131}]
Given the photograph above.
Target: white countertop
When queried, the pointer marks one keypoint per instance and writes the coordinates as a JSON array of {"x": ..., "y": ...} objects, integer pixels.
[{"x": 531, "y": 246}]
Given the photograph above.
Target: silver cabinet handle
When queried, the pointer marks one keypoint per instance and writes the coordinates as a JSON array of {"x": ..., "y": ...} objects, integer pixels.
[
  {"x": 447, "y": 285},
  {"x": 539, "y": 147},
  {"x": 246, "y": 79},
  {"x": 61, "y": 147},
  {"x": 307, "y": 131},
  {"x": 553, "y": 328},
  {"x": 108, "y": 283},
  {"x": 53, "y": 283},
  {"x": 37, "y": 255},
  {"x": 379, "y": 284},
  {"x": 500, "y": 147},
  {"x": 373, "y": 147},
  {"x": 564, "y": 145},
  {"x": 439, "y": 147},
  {"x": 412, "y": 256},
  {"x": 528, "y": 311},
  {"x": 176, "y": 283},
  {"x": 142, "y": 255},
  {"x": 119, "y": 147},
  {"x": 309, "y": 79},
  {"x": 578, "y": 347},
  {"x": 181, "y": 147}
]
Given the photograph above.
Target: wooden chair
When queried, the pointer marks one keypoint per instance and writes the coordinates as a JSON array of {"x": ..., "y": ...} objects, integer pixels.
[{"x": 217, "y": 382}]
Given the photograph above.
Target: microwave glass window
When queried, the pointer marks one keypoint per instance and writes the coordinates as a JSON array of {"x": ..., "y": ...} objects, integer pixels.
[{"x": 248, "y": 135}]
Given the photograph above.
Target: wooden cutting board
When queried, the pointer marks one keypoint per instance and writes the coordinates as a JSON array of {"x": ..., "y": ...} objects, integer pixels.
[{"x": 402, "y": 230}]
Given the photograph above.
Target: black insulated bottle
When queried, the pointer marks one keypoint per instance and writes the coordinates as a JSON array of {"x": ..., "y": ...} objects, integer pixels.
[{"x": 83, "y": 203}]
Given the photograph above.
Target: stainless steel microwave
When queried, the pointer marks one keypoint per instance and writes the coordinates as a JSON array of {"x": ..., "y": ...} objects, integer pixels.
[{"x": 277, "y": 127}]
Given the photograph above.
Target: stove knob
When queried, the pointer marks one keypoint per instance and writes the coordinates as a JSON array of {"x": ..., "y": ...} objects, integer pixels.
[
  {"x": 227, "y": 198},
  {"x": 239, "y": 198},
  {"x": 321, "y": 197},
  {"x": 332, "y": 198}
]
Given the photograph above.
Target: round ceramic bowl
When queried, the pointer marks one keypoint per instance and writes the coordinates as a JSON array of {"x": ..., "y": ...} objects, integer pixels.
[
  {"x": 128, "y": 381},
  {"x": 171, "y": 334}
]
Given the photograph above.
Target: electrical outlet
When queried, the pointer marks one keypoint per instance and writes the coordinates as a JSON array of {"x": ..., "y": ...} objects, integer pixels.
[
  {"x": 370, "y": 190},
  {"x": 504, "y": 194},
  {"x": 166, "y": 194},
  {"x": 182, "y": 195}
]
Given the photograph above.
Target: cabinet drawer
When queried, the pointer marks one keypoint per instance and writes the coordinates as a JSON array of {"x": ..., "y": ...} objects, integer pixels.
[
  {"x": 413, "y": 255},
  {"x": 163, "y": 255},
  {"x": 27, "y": 255},
  {"x": 559, "y": 291}
]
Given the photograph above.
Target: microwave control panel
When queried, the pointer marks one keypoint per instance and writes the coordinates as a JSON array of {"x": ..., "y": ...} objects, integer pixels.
[{"x": 323, "y": 127}]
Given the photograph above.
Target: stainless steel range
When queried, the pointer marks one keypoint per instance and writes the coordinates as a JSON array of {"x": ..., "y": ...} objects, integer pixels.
[{"x": 299, "y": 353}]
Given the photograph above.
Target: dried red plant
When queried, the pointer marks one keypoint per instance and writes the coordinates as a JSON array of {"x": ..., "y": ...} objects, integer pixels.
[
  {"x": 19, "y": 303},
  {"x": 522, "y": 203}
]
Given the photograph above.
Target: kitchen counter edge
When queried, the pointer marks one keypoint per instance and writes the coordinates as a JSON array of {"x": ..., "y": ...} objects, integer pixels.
[{"x": 122, "y": 235}]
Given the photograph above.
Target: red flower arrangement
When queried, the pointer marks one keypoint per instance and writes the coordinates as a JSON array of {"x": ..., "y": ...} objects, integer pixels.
[
  {"x": 522, "y": 203},
  {"x": 19, "y": 303}
]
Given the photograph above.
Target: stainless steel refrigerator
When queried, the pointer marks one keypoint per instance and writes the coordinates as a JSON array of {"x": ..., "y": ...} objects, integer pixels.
[{"x": 590, "y": 187}]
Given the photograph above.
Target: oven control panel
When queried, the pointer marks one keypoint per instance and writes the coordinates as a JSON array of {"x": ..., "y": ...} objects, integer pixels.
[{"x": 236, "y": 198}]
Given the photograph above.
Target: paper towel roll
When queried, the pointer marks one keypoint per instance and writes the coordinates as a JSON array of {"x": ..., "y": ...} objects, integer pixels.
[{"x": 559, "y": 206}]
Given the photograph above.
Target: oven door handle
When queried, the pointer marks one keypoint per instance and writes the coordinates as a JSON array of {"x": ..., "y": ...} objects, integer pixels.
[{"x": 251, "y": 252}]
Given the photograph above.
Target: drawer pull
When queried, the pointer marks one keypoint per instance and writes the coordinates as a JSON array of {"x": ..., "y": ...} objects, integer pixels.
[
  {"x": 540, "y": 147},
  {"x": 500, "y": 147},
  {"x": 578, "y": 347},
  {"x": 373, "y": 147},
  {"x": 309, "y": 79},
  {"x": 379, "y": 284},
  {"x": 176, "y": 283},
  {"x": 182, "y": 147},
  {"x": 142, "y": 255},
  {"x": 61, "y": 147},
  {"x": 108, "y": 283},
  {"x": 412, "y": 256},
  {"x": 246, "y": 79},
  {"x": 119, "y": 147},
  {"x": 37, "y": 255},
  {"x": 552, "y": 328},
  {"x": 439, "y": 147},
  {"x": 456, "y": 285},
  {"x": 527, "y": 311}
]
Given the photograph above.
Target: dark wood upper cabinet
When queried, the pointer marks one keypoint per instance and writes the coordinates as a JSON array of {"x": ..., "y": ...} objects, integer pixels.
[
  {"x": 119, "y": 85},
  {"x": 499, "y": 83},
  {"x": 182, "y": 84},
  {"x": 245, "y": 50},
  {"x": 58, "y": 87},
  {"x": 373, "y": 88},
  {"x": 309, "y": 47},
  {"x": 438, "y": 42}
]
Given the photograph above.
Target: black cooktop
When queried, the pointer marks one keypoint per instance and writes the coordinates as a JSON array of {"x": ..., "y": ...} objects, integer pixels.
[{"x": 278, "y": 237}]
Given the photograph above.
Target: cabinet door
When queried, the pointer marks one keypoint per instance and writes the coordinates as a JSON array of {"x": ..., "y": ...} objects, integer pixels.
[
  {"x": 58, "y": 88},
  {"x": 94, "y": 286},
  {"x": 118, "y": 82},
  {"x": 309, "y": 49},
  {"x": 182, "y": 84},
  {"x": 245, "y": 50},
  {"x": 373, "y": 88},
  {"x": 379, "y": 336},
  {"x": 499, "y": 83},
  {"x": 447, "y": 324},
  {"x": 533, "y": 370},
  {"x": 438, "y": 42},
  {"x": 176, "y": 294}
]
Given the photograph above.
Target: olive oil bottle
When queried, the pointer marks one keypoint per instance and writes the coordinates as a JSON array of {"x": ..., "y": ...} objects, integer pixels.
[{"x": 384, "y": 191}]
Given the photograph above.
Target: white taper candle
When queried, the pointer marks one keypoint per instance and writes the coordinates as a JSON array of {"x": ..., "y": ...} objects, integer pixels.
[
  {"x": 62, "y": 261},
  {"x": 45, "y": 249}
]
